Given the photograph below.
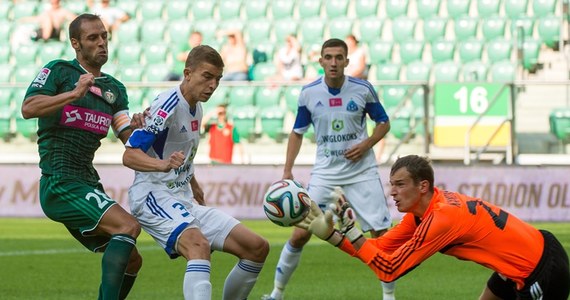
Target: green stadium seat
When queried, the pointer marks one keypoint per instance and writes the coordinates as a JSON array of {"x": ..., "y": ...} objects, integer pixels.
[
  {"x": 177, "y": 10},
  {"x": 434, "y": 29},
  {"x": 156, "y": 72},
  {"x": 229, "y": 9},
  {"x": 267, "y": 47},
  {"x": 427, "y": 8},
  {"x": 50, "y": 51},
  {"x": 203, "y": 9},
  {"x": 309, "y": 9},
  {"x": 267, "y": 96},
  {"x": 499, "y": 50},
  {"x": 281, "y": 9},
  {"x": 493, "y": 28},
  {"x": 465, "y": 28},
  {"x": 549, "y": 30},
  {"x": 272, "y": 120},
  {"x": 26, "y": 127},
  {"x": 475, "y": 71},
  {"x": 442, "y": 50},
  {"x": 543, "y": 8},
  {"x": 244, "y": 118},
  {"x": 515, "y": 8},
  {"x": 26, "y": 54},
  {"x": 23, "y": 9},
  {"x": 366, "y": 8},
  {"x": 6, "y": 113},
  {"x": 152, "y": 31},
  {"x": 129, "y": 54},
  {"x": 524, "y": 23},
  {"x": 151, "y": 10},
  {"x": 4, "y": 53},
  {"x": 178, "y": 32},
  {"x": 370, "y": 29},
  {"x": 131, "y": 73},
  {"x": 284, "y": 27},
  {"x": 400, "y": 125},
  {"x": 136, "y": 99},
  {"x": 396, "y": 8},
  {"x": 6, "y": 73},
  {"x": 220, "y": 96},
  {"x": 418, "y": 71},
  {"x": 255, "y": 9},
  {"x": 411, "y": 51},
  {"x": 110, "y": 68},
  {"x": 241, "y": 95},
  {"x": 233, "y": 24},
  {"x": 131, "y": 7},
  {"x": 559, "y": 121},
  {"x": 312, "y": 30},
  {"x": 129, "y": 32},
  {"x": 336, "y": 8},
  {"x": 470, "y": 50},
  {"x": 393, "y": 96},
  {"x": 25, "y": 73},
  {"x": 488, "y": 8},
  {"x": 446, "y": 72},
  {"x": 291, "y": 94},
  {"x": 5, "y": 8},
  {"x": 458, "y": 8},
  {"x": 403, "y": 29},
  {"x": 503, "y": 71},
  {"x": 258, "y": 30},
  {"x": 340, "y": 27},
  {"x": 5, "y": 30},
  {"x": 264, "y": 70},
  {"x": 380, "y": 51},
  {"x": 531, "y": 50},
  {"x": 207, "y": 27},
  {"x": 388, "y": 71}
]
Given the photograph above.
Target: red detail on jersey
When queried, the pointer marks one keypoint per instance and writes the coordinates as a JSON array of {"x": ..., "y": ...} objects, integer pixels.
[
  {"x": 194, "y": 125},
  {"x": 162, "y": 113},
  {"x": 96, "y": 90},
  {"x": 335, "y": 102}
]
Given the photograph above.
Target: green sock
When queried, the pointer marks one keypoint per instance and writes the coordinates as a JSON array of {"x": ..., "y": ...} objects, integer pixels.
[
  {"x": 114, "y": 264},
  {"x": 128, "y": 281}
]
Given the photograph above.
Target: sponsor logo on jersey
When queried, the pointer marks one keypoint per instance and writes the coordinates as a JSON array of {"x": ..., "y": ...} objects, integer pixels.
[
  {"x": 96, "y": 90},
  {"x": 194, "y": 125},
  {"x": 158, "y": 120},
  {"x": 183, "y": 129},
  {"x": 319, "y": 104},
  {"x": 339, "y": 138},
  {"x": 41, "y": 78},
  {"x": 352, "y": 106},
  {"x": 162, "y": 113},
  {"x": 337, "y": 125},
  {"x": 335, "y": 102},
  {"x": 153, "y": 129},
  {"x": 329, "y": 153},
  {"x": 86, "y": 119}
]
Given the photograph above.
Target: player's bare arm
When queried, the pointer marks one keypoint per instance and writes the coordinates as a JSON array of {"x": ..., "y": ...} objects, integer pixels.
[
  {"x": 197, "y": 191},
  {"x": 293, "y": 147},
  {"x": 137, "y": 160}
]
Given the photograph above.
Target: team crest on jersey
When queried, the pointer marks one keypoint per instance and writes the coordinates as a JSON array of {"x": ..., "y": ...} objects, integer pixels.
[
  {"x": 109, "y": 96},
  {"x": 335, "y": 102},
  {"x": 352, "y": 106},
  {"x": 41, "y": 78},
  {"x": 337, "y": 125}
]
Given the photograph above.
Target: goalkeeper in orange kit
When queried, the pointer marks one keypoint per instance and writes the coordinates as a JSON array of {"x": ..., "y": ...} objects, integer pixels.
[{"x": 528, "y": 263}]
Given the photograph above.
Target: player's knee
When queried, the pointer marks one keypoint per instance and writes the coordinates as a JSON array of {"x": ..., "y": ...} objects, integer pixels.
[
  {"x": 131, "y": 227},
  {"x": 299, "y": 238},
  {"x": 260, "y": 249},
  {"x": 135, "y": 263}
]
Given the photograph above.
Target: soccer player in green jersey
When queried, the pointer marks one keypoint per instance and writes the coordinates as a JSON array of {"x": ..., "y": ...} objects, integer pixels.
[{"x": 76, "y": 105}]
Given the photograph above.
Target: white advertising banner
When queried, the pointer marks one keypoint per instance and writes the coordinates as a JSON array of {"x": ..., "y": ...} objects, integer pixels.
[{"x": 531, "y": 193}]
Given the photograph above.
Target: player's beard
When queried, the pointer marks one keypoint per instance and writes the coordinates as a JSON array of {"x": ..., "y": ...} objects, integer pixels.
[{"x": 94, "y": 59}]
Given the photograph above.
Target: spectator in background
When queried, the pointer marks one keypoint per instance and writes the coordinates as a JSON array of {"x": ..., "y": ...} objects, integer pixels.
[
  {"x": 223, "y": 137},
  {"x": 288, "y": 60},
  {"x": 357, "y": 59},
  {"x": 313, "y": 69},
  {"x": 234, "y": 54},
  {"x": 112, "y": 17},
  {"x": 50, "y": 21},
  {"x": 195, "y": 39}
]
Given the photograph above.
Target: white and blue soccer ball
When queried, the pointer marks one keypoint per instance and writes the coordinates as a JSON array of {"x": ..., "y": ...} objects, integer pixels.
[{"x": 286, "y": 202}]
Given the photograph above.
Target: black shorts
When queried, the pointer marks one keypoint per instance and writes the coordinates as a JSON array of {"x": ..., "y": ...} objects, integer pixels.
[{"x": 550, "y": 280}]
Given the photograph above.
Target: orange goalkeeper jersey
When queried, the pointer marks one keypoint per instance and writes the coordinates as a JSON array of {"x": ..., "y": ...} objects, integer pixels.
[{"x": 457, "y": 225}]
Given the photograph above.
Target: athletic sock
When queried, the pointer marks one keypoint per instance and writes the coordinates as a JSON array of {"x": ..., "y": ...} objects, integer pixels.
[
  {"x": 241, "y": 279},
  {"x": 388, "y": 289},
  {"x": 114, "y": 263},
  {"x": 128, "y": 281},
  {"x": 197, "y": 284},
  {"x": 288, "y": 262}
]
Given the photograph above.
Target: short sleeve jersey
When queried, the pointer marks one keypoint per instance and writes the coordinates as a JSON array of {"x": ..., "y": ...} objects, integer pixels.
[
  {"x": 173, "y": 126},
  {"x": 339, "y": 119},
  {"x": 68, "y": 138}
]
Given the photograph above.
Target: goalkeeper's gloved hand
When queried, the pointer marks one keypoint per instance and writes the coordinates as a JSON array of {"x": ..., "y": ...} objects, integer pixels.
[
  {"x": 321, "y": 225},
  {"x": 346, "y": 215}
]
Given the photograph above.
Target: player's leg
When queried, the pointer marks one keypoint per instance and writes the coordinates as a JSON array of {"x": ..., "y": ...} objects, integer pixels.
[
  {"x": 369, "y": 203},
  {"x": 194, "y": 246},
  {"x": 252, "y": 250},
  {"x": 133, "y": 267},
  {"x": 499, "y": 288}
]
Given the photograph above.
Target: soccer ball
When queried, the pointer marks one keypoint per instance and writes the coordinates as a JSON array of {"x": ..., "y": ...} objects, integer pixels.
[{"x": 286, "y": 202}]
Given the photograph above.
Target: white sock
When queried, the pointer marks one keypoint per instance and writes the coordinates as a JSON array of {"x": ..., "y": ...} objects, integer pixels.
[
  {"x": 388, "y": 289},
  {"x": 197, "y": 284},
  {"x": 288, "y": 262},
  {"x": 241, "y": 279}
]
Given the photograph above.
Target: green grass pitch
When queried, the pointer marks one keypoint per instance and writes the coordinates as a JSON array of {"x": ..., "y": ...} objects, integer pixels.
[{"x": 40, "y": 260}]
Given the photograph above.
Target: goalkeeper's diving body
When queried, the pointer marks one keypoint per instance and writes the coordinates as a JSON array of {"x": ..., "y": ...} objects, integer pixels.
[{"x": 528, "y": 263}]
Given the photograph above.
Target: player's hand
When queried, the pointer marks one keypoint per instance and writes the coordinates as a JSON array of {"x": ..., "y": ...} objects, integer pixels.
[
  {"x": 198, "y": 194},
  {"x": 83, "y": 84},
  {"x": 320, "y": 224},
  {"x": 346, "y": 215},
  {"x": 138, "y": 119},
  {"x": 175, "y": 161},
  {"x": 357, "y": 151}
]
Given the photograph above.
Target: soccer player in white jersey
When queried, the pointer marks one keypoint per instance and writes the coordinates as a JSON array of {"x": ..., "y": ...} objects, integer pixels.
[
  {"x": 337, "y": 105},
  {"x": 166, "y": 197}
]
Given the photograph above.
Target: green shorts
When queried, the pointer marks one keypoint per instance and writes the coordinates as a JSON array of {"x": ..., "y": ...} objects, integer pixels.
[{"x": 78, "y": 205}]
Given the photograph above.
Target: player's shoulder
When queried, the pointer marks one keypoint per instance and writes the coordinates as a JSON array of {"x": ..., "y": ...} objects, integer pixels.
[
  {"x": 354, "y": 82},
  {"x": 312, "y": 84},
  {"x": 59, "y": 63},
  {"x": 167, "y": 100}
]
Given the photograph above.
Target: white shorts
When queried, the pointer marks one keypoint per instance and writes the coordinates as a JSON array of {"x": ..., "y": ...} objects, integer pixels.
[
  {"x": 365, "y": 197},
  {"x": 165, "y": 217}
]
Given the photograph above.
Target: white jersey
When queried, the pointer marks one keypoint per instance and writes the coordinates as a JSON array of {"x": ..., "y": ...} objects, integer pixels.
[
  {"x": 339, "y": 118},
  {"x": 172, "y": 127}
]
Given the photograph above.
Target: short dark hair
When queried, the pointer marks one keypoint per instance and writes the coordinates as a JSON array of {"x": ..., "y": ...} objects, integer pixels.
[
  {"x": 204, "y": 54},
  {"x": 419, "y": 168},
  {"x": 75, "y": 25},
  {"x": 334, "y": 43}
]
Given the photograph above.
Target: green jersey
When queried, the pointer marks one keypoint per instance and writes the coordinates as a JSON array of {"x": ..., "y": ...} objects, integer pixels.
[{"x": 68, "y": 138}]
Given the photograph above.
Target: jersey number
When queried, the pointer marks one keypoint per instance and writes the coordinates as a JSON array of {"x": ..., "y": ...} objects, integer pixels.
[
  {"x": 182, "y": 208},
  {"x": 500, "y": 219},
  {"x": 101, "y": 202}
]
